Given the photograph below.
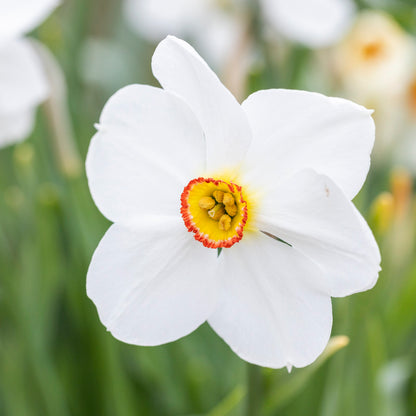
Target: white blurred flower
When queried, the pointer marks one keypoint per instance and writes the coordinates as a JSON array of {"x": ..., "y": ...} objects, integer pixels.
[
  {"x": 22, "y": 82},
  {"x": 19, "y": 17},
  {"x": 374, "y": 65},
  {"x": 314, "y": 23},
  {"x": 374, "y": 60},
  {"x": 270, "y": 181},
  {"x": 214, "y": 25}
]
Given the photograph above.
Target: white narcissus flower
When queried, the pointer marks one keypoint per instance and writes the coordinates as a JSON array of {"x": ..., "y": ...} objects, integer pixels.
[
  {"x": 154, "y": 18},
  {"x": 214, "y": 25},
  {"x": 23, "y": 85},
  {"x": 314, "y": 23},
  {"x": 185, "y": 169},
  {"x": 374, "y": 61},
  {"x": 21, "y": 16},
  {"x": 374, "y": 64}
]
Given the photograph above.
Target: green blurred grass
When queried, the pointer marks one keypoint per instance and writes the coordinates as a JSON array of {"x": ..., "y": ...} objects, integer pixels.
[{"x": 55, "y": 356}]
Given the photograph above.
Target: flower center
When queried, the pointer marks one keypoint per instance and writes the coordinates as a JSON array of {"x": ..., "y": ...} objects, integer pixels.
[
  {"x": 215, "y": 211},
  {"x": 373, "y": 50}
]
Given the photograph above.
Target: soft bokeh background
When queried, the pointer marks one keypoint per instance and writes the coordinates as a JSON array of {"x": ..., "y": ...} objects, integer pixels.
[{"x": 55, "y": 356}]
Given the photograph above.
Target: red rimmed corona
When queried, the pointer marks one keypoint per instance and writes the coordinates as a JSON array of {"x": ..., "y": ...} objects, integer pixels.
[{"x": 215, "y": 211}]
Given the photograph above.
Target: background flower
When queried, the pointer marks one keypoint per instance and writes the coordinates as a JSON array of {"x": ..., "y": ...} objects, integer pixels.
[
  {"x": 314, "y": 23},
  {"x": 222, "y": 23},
  {"x": 375, "y": 63},
  {"x": 374, "y": 60},
  {"x": 23, "y": 85},
  {"x": 21, "y": 16}
]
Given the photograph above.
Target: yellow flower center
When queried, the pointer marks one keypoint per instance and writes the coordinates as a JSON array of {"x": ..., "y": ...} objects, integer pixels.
[
  {"x": 373, "y": 50},
  {"x": 215, "y": 211}
]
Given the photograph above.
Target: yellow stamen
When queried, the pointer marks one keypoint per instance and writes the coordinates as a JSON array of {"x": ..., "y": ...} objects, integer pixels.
[
  {"x": 217, "y": 212},
  {"x": 228, "y": 199},
  {"x": 231, "y": 210},
  {"x": 224, "y": 223},
  {"x": 206, "y": 202},
  {"x": 218, "y": 195}
]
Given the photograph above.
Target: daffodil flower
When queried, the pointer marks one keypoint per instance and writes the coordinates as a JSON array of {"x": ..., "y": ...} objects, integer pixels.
[
  {"x": 375, "y": 65},
  {"x": 185, "y": 170},
  {"x": 314, "y": 23},
  {"x": 222, "y": 22},
  {"x": 23, "y": 85},
  {"x": 374, "y": 62}
]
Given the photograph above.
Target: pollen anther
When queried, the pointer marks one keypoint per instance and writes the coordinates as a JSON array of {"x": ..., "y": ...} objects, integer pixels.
[
  {"x": 225, "y": 222},
  {"x": 206, "y": 202},
  {"x": 231, "y": 210},
  {"x": 228, "y": 199},
  {"x": 218, "y": 195}
]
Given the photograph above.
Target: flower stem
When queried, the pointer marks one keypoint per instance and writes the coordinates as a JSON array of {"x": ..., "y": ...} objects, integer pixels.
[
  {"x": 57, "y": 113},
  {"x": 235, "y": 72},
  {"x": 254, "y": 390}
]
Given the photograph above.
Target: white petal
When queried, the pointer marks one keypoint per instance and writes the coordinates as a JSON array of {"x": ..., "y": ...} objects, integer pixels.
[
  {"x": 180, "y": 69},
  {"x": 314, "y": 23},
  {"x": 21, "y": 16},
  {"x": 154, "y": 284},
  {"x": 293, "y": 130},
  {"x": 23, "y": 84},
  {"x": 312, "y": 214},
  {"x": 15, "y": 127},
  {"x": 149, "y": 145},
  {"x": 270, "y": 313}
]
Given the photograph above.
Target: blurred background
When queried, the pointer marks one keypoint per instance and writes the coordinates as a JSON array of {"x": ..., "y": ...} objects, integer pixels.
[{"x": 55, "y": 356}]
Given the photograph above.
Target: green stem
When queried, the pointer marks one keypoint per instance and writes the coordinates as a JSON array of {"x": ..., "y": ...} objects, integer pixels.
[
  {"x": 254, "y": 390},
  {"x": 58, "y": 117}
]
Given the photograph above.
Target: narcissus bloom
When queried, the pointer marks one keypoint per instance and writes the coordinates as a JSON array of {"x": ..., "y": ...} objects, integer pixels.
[
  {"x": 23, "y": 85},
  {"x": 314, "y": 23},
  {"x": 214, "y": 26},
  {"x": 374, "y": 61},
  {"x": 375, "y": 65},
  {"x": 184, "y": 170}
]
